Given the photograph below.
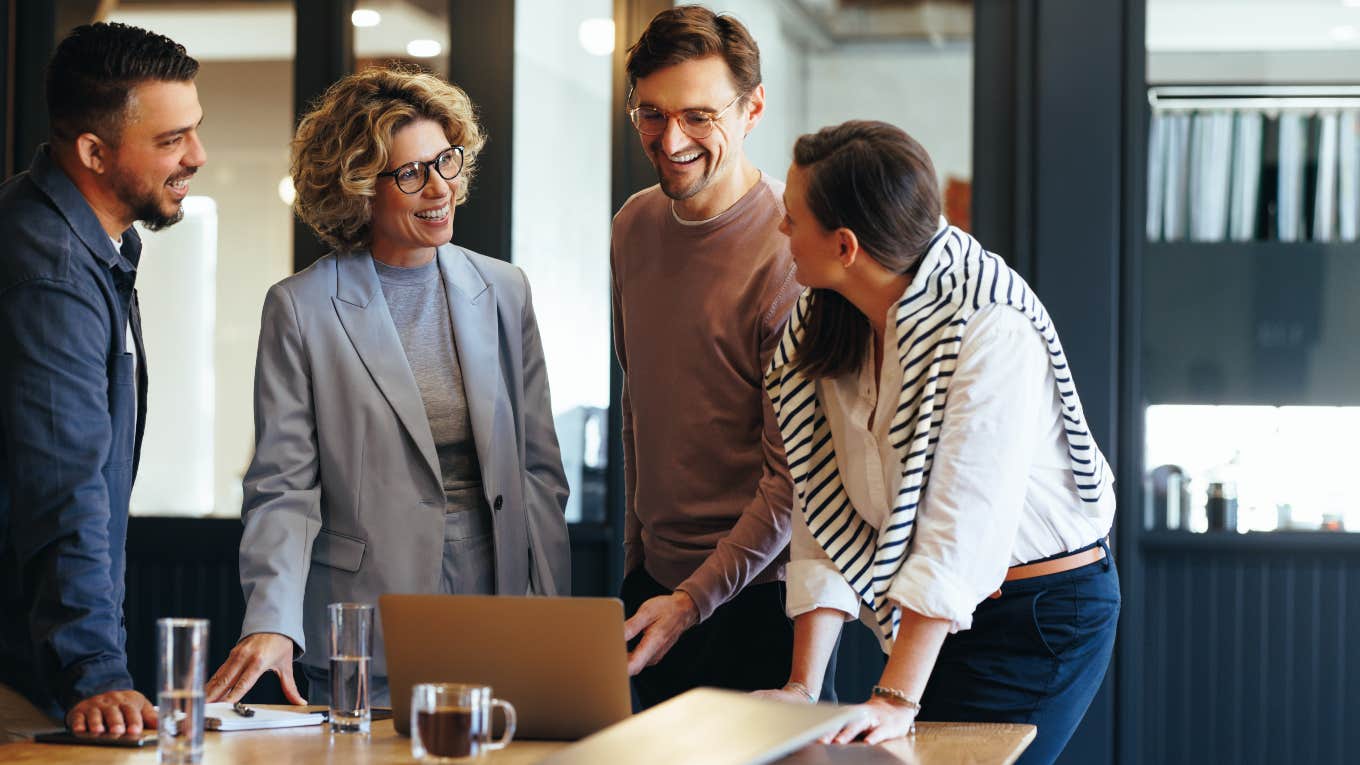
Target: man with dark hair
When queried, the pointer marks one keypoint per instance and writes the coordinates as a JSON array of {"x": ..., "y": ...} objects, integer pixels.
[
  {"x": 702, "y": 285},
  {"x": 124, "y": 143}
]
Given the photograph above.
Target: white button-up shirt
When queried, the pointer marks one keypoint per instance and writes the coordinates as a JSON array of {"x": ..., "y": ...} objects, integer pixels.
[{"x": 1000, "y": 490}]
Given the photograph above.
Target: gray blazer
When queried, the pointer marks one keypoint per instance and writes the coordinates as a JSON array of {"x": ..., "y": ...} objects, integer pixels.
[{"x": 344, "y": 499}]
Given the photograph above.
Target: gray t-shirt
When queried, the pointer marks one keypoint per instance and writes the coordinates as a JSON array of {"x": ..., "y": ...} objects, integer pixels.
[{"x": 419, "y": 306}]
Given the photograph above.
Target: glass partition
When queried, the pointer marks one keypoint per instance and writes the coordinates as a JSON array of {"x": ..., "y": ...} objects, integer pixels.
[
  {"x": 1249, "y": 359},
  {"x": 560, "y": 220}
]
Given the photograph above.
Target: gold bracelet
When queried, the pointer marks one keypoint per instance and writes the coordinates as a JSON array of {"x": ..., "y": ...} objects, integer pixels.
[
  {"x": 797, "y": 687},
  {"x": 898, "y": 697}
]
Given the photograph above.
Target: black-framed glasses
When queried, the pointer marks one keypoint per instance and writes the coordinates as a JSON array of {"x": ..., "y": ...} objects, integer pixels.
[
  {"x": 412, "y": 176},
  {"x": 695, "y": 123}
]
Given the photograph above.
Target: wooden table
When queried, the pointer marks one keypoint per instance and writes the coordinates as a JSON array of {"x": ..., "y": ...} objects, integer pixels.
[{"x": 934, "y": 743}]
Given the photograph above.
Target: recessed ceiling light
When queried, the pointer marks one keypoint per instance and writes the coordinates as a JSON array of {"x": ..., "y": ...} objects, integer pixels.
[
  {"x": 423, "y": 48},
  {"x": 1351, "y": 3},
  {"x": 363, "y": 17},
  {"x": 597, "y": 36}
]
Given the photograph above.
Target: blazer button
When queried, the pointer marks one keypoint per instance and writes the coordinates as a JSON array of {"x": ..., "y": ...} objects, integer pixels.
[{"x": 497, "y": 504}]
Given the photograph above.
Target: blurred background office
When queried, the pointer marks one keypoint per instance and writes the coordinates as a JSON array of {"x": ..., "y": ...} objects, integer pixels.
[{"x": 1179, "y": 180}]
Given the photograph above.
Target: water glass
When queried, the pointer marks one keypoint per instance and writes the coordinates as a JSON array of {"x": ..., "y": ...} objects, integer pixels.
[
  {"x": 452, "y": 722},
  {"x": 182, "y": 662},
  {"x": 351, "y": 645}
]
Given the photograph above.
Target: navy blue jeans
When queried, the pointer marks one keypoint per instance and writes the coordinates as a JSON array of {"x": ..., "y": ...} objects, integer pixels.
[{"x": 1035, "y": 655}]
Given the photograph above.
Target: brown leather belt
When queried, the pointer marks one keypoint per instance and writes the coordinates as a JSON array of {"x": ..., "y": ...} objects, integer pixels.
[{"x": 1054, "y": 566}]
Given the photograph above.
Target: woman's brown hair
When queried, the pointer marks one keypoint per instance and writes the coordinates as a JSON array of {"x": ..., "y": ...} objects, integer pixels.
[{"x": 877, "y": 181}]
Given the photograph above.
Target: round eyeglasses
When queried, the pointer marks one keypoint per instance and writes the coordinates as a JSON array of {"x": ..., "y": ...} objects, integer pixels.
[
  {"x": 412, "y": 176},
  {"x": 695, "y": 123}
]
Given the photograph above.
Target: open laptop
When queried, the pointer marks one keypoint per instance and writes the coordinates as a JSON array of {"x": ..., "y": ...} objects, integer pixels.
[
  {"x": 708, "y": 726},
  {"x": 561, "y": 662}
]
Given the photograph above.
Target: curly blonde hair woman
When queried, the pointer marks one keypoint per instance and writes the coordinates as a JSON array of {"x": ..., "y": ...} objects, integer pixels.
[
  {"x": 404, "y": 437},
  {"x": 343, "y": 144}
]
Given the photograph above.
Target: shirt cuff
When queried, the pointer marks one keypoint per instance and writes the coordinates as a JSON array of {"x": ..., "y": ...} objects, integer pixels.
[
  {"x": 935, "y": 592},
  {"x": 290, "y": 628},
  {"x": 95, "y": 677},
  {"x": 702, "y": 587},
  {"x": 815, "y": 583}
]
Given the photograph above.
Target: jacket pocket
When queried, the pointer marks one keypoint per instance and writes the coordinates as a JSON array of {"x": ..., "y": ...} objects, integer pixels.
[
  {"x": 122, "y": 397},
  {"x": 338, "y": 551}
]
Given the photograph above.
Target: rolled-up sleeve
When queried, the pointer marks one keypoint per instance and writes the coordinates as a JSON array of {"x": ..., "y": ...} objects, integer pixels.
[
  {"x": 813, "y": 579},
  {"x": 971, "y": 508},
  {"x": 54, "y": 405}
]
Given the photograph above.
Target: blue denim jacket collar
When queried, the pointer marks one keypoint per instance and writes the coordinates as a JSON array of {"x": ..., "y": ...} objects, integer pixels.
[{"x": 72, "y": 205}]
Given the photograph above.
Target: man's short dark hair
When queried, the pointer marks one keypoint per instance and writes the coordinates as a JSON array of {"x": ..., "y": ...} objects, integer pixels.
[
  {"x": 688, "y": 32},
  {"x": 95, "y": 69}
]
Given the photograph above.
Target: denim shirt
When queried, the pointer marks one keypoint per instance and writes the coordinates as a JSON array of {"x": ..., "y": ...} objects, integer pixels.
[{"x": 72, "y": 411}]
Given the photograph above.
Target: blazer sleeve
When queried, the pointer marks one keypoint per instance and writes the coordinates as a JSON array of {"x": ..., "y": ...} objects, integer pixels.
[
  {"x": 281, "y": 505},
  {"x": 545, "y": 482}
]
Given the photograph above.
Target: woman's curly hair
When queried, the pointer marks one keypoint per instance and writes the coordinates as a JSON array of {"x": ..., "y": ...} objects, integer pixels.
[{"x": 345, "y": 141}]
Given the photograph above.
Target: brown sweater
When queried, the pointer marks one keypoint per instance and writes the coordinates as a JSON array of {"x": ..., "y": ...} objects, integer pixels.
[{"x": 698, "y": 310}]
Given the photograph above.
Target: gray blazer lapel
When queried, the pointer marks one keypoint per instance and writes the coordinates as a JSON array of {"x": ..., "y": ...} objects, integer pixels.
[
  {"x": 363, "y": 313},
  {"x": 476, "y": 328}
]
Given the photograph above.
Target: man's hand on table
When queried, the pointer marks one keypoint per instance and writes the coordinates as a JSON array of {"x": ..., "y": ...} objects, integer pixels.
[
  {"x": 115, "y": 712},
  {"x": 660, "y": 621}
]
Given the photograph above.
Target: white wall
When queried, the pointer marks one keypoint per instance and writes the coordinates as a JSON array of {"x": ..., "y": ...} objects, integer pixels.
[{"x": 925, "y": 90}]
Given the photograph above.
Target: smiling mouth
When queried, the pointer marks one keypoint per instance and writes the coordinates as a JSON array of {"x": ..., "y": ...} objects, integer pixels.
[
  {"x": 434, "y": 216},
  {"x": 684, "y": 157},
  {"x": 179, "y": 184}
]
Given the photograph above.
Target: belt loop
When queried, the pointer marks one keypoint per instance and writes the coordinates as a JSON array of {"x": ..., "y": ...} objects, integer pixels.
[{"x": 1108, "y": 561}]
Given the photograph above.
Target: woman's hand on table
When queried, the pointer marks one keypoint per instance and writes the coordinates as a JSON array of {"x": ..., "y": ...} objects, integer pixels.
[
  {"x": 253, "y": 656},
  {"x": 785, "y": 694},
  {"x": 877, "y": 720}
]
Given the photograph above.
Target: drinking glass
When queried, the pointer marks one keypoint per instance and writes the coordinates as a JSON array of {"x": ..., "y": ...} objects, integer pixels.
[
  {"x": 182, "y": 662},
  {"x": 351, "y": 644}
]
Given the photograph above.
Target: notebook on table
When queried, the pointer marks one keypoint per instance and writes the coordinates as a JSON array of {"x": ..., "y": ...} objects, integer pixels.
[{"x": 220, "y": 715}]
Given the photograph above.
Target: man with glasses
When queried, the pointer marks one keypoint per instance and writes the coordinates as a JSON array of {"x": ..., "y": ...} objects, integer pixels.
[
  {"x": 124, "y": 117},
  {"x": 702, "y": 285}
]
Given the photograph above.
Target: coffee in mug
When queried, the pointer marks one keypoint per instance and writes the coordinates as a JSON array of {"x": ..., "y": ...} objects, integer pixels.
[{"x": 451, "y": 722}]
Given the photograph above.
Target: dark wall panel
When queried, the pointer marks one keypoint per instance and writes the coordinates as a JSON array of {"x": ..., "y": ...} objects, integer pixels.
[{"x": 1247, "y": 656}]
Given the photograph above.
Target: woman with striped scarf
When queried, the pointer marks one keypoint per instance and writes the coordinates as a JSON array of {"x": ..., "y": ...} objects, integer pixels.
[{"x": 949, "y": 492}]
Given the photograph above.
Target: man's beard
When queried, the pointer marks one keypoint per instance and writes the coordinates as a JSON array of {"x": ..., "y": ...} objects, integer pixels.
[
  {"x": 672, "y": 189},
  {"x": 671, "y": 186},
  {"x": 146, "y": 203}
]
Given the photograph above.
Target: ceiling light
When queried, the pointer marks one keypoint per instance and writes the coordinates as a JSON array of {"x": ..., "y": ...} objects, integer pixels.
[
  {"x": 363, "y": 17},
  {"x": 1351, "y": 3},
  {"x": 597, "y": 36},
  {"x": 286, "y": 191},
  {"x": 423, "y": 48}
]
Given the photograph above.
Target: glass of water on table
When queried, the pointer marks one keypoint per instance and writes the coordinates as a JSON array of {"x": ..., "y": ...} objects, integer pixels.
[
  {"x": 181, "y": 666},
  {"x": 351, "y": 644}
]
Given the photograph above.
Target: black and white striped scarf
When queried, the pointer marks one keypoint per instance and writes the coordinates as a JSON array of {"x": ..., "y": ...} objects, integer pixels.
[{"x": 955, "y": 278}]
